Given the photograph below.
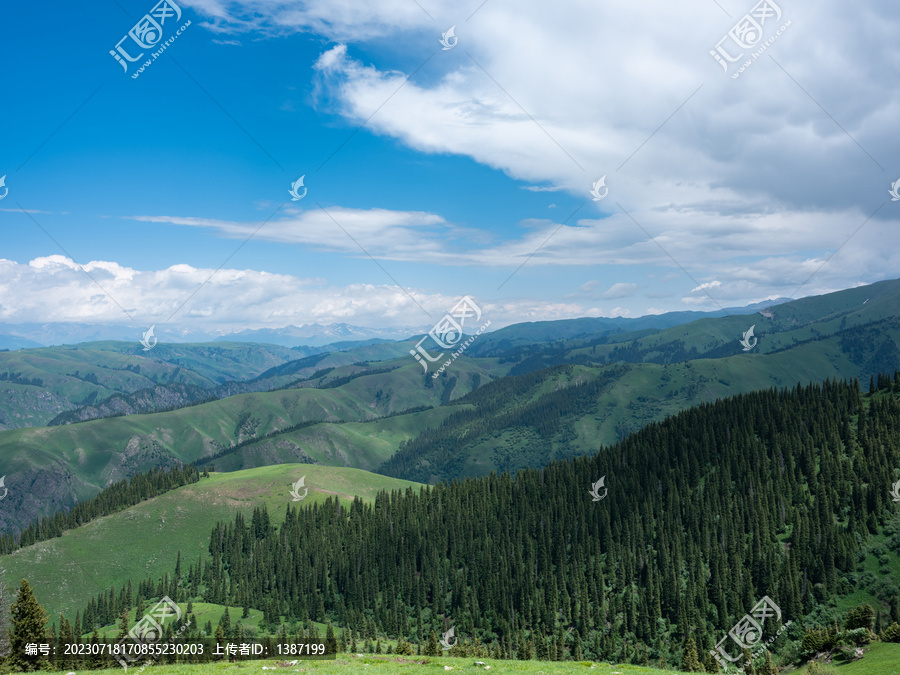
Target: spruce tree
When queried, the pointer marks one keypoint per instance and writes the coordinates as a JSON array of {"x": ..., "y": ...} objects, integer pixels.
[
  {"x": 690, "y": 662},
  {"x": 710, "y": 664},
  {"x": 123, "y": 625},
  {"x": 432, "y": 648},
  {"x": 29, "y": 625},
  {"x": 95, "y": 660},
  {"x": 331, "y": 643},
  {"x": 225, "y": 623},
  {"x": 769, "y": 667},
  {"x": 862, "y": 616},
  {"x": 891, "y": 633}
]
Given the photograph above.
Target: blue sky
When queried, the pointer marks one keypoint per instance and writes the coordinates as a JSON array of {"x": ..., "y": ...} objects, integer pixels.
[{"x": 722, "y": 191}]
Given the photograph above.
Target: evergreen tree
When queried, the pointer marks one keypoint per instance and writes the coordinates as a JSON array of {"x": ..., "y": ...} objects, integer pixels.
[
  {"x": 862, "y": 616},
  {"x": 690, "y": 662},
  {"x": 331, "y": 644},
  {"x": 95, "y": 660},
  {"x": 29, "y": 625},
  {"x": 219, "y": 635},
  {"x": 769, "y": 667},
  {"x": 225, "y": 623},
  {"x": 123, "y": 624},
  {"x": 891, "y": 633},
  {"x": 432, "y": 647},
  {"x": 710, "y": 664}
]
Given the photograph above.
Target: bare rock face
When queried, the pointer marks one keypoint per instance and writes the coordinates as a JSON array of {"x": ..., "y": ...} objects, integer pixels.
[
  {"x": 35, "y": 493},
  {"x": 41, "y": 492}
]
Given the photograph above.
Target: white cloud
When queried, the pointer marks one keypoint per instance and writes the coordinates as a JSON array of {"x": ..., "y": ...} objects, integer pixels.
[
  {"x": 55, "y": 289},
  {"x": 734, "y": 259},
  {"x": 619, "y": 290},
  {"x": 744, "y": 182},
  {"x": 338, "y": 19},
  {"x": 708, "y": 286}
]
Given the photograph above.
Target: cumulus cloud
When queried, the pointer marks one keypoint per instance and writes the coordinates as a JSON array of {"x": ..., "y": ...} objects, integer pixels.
[
  {"x": 751, "y": 180},
  {"x": 736, "y": 258},
  {"x": 57, "y": 289},
  {"x": 744, "y": 189}
]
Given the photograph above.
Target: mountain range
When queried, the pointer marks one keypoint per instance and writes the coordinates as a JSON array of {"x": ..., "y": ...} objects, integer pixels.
[
  {"x": 28, "y": 335},
  {"x": 689, "y": 401},
  {"x": 520, "y": 396}
]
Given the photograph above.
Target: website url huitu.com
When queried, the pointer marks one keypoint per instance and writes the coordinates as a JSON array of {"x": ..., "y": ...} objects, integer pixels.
[
  {"x": 759, "y": 51},
  {"x": 163, "y": 47},
  {"x": 459, "y": 351}
]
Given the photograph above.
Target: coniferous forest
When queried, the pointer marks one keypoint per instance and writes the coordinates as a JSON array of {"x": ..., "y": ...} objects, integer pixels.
[{"x": 773, "y": 493}]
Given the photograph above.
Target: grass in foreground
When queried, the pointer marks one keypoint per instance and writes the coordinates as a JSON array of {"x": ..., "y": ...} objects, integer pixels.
[
  {"x": 881, "y": 659},
  {"x": 395, "y": 665}
]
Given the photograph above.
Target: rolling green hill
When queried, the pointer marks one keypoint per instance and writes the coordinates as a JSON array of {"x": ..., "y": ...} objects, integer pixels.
[
  {"x": 299, "y": 410},
  {"x": 49, "y": 468},
  {"x": 36, "y": 385},
  {"x": 564, "y": 411},
  {"x": 144, "y": 539},
  {"x": 297, "y": 372},
  {"x": 777, "y": 328}
]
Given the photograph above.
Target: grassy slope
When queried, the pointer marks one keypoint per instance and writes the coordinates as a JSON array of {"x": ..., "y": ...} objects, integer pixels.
[
  {"x": 790, "y": 323},
  {"x": 880, "y": 659},
  {"x": 646, "y": 393},
  {"x": 216, "y": 361},
  {"x": 145, "y": 539},
  {"x": 371, "y": 442},
  {"x": 61, "y": 371}
]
